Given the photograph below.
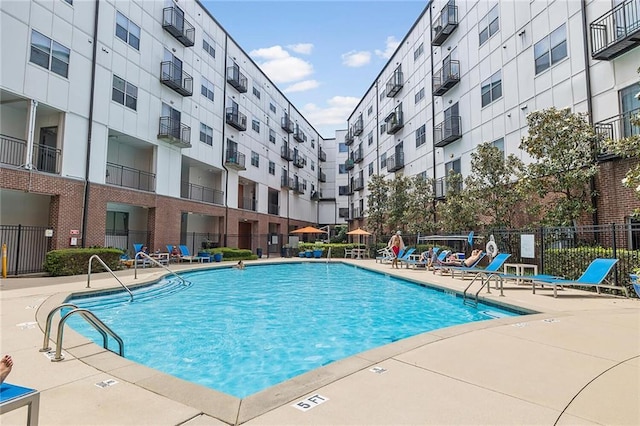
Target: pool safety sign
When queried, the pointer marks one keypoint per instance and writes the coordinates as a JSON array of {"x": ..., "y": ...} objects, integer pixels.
[{"x": 310, "y": 402}]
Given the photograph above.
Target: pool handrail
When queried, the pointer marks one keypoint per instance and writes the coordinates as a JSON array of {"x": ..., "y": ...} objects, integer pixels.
[
  {"x": 95, "y": 256},
  {"x": 146, "y": 256}
]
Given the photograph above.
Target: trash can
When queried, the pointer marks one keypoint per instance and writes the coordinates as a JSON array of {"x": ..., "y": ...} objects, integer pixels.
[{"x": 259, "y": 252}]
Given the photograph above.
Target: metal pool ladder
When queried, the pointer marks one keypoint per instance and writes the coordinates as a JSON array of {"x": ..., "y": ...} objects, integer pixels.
[
  {"x": 329, "y": 255},
  {"x": 90, "y": 317},
  {"x": 104, "y": 265}
]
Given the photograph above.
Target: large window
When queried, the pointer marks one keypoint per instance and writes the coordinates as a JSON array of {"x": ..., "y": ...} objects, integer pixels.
[
  {"x": 127, "y": 31},
  {"x": 255, "y": 125},
  {"x": 124, "y": 93},
  {"x": 208, "y": 45},
  {"x": 629, "y": 107},
  {"x": 418, "y": 52},
  {"x": 342, "y": 169},
  {"x": 499, "y": 143},
  {"x": 272, "y": 136},
  {"x": 207, "y": 89},
  {"x": 551, "y": 49},
  {"x": 419, "y": 95},
  {"x": 342, "y": 147},
  {"x": 255, "y": 159},
  {"x": 421, "y": 135},
  {"x": 49, "y": 54},
  {"x": 489, "y": 25},
  {"x": 206, "y": 134},
  {"x": 491, "y": 88},
  {"x": 272, "y": 168}
]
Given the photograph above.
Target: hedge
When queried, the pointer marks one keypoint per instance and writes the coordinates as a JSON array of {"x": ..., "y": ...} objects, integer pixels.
[{"x": 58, "y": 263}]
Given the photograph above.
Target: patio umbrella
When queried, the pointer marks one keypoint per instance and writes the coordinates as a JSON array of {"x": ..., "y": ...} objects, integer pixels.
[
  {"x": 359, "y": 232},
  {"x": 308, "y": 230}
]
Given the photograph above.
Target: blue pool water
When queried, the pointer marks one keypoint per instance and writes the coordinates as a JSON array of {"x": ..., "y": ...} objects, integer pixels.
[{"x": 242, "y": 331}]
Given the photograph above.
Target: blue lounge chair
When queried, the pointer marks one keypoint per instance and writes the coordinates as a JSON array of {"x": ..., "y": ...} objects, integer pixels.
[
  {"x": 13, "y": 396},
  {"x": 593, "y": 276},
  {"x": 492, "y": 267},
  {"x": 412, "y": 261},
  {"x": 186, "y": 255},
  {"x": 402, "y": 257}
]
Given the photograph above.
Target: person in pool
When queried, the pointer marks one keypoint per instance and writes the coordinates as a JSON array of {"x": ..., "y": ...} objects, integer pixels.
[
  {"x": 6, "y": 364},
  {"x": 239, "y": 265}
]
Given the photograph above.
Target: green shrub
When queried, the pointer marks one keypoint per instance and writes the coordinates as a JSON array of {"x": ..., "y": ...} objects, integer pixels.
[
  {"x": 229, "y": 253},
  {"x": 75, "y": 261}
]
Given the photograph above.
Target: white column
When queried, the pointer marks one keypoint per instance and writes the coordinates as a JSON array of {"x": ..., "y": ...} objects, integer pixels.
[{"x": 31, "y": 123}]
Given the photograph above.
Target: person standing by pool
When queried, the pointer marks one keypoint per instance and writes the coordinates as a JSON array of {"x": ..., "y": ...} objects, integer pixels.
[{"x": 395, "y": 244}]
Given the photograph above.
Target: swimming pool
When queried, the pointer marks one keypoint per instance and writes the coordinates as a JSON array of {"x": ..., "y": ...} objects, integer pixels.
[{"x": 242, "y": 331}]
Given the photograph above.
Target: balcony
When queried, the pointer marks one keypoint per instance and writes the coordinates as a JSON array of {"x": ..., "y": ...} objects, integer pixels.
[
  {"x": 616, "y": 32},
  {"x": 237, "y": 79},
  {"x": 44, "y": 159},
  {"x": 171, "y": 75},
  {"x": 322, "y": 177},
  {"x": 348, "y": 138},
  {"x": 445, "y": 24},
  {"x": 299, "y": 187},
  {"x": 395, "y": 162},
  {"x": 247, "y": 203},
  {"x": 394, "y": 122},
  {"x": 128, "y": 177},
  {"x": 191, "y": 191},
  {"x": 357, "y": 213},
  {"x": 616, "y": 128},
  {"x": 447, "y": 77},
  {"x": 286, "y": 124},
  {"x": 236, "y": 119},
  {"x": 349, "y": 164},
  {"x": 298, "y": 161},
  {"x": 298, "y": 134},
  {"x": 274, "y": 208},
  {"x": 447, "y": 131},
  {"x": 286, "y": 152},
  {"x": 358, "y": 127},
  {"x": 357, "y": 184},
  {"x": 173, "y": 21},
  {"x": 174, "y": 132},
  {"x": 395, "y": 83},
  {"x": 315, "y": 195},
  {"x": 358, "y": 155},
  {"x": 322, "y": 156},
  {"x": 440, "y": 188},
  {"x": 345, "y": 190},
  {"x": 234, "y": 159},
  {"x": 286, "y": 182}
]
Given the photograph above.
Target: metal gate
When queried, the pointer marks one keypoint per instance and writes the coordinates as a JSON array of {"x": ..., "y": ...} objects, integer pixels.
[{"x": 26, "y": 248}]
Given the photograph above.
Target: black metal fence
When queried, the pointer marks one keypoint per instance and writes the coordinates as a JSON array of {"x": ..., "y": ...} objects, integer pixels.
[{"x": 27, "y": 247}]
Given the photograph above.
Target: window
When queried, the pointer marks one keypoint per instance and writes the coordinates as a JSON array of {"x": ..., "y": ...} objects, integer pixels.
[
  {"x": 499, "y": 143},
  {"x": 272, "y": 168},
  {"x": 550, "y": 49},
  {"x": 255, "y": 159},
  {"x": 313, "y": 165},
  {"x": 208, "y": 45},
  {"x": 419, "y": 51},
  {"x": 272, "y": 107},
  {"x": 370, "y": 168},
  {"x": 272, "y": 136},
  {"x": 491, "y": 89},
  {"x": 342, "y": 147},
  {"x": 49, "y": 54},
  {"x": 370, "y": 138},
  {"x": 489, "y": 25},
  {"x": 342, "y": 169},
  {"x": 419, "y": 95},
  {"x": 313, "y": 144},
  {"x": 255, "y": 125},
  {"x": 629, "y": 106},
  {"x": 206, "y": 134},
  {"x": 256, "y": 93},
  {"x": 383, "y": 128},
  {"x": 422, "y": 175},
  {"x": 207, "y": 89},
  {"x": 69, "y": 1},
  {"x": 370, "y": 110},
  {"x": 127, "y": 31},
  {"x": 383, "y": 94},
  {"x": 343, "y": 212},
  {"x": 383, "y": 161},
  {"x": 124, "y": 93},
  {"x": 421, "y": 135}
]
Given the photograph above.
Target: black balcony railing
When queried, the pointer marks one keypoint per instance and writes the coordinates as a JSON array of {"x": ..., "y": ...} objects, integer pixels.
[
  {"x": 616, "y": 128},
  {"x": 235, "y": 159},
  {"x": 274, "y": 208},
  {"x": 394, "y": 122},
  {"x": 616, "y": 32},
  {"x": 357, "y": 183},
  {"x": 44, "y": 158},
  {"x": 349, "y": 164},
  {"x": 286, "y": 152},
  {"x": 12, "y": 151},
  {"x": 298, "y": 160},
  {"x": 322, "y": 177},
  {"x": 195, "y": 192},
  {"x": 247, "y": 203},
  {"x": 447, "y": 131},
  {"x": 345, "y": 190},
  {"x": 129, "y": 177},
  {"x": 236, "y": 119},
  {"x": 395, "y": 83},
  {"x": 286, "y": 124},
  {"x": 356, "y": 213},
  {"x": 358, "y": 127},
  {"x": 440, "y": 188},
  {"x": 173, "y": 21},
  {"x": 174, "y": 132},
  {"x": 171, "y": 75},
  {"x": 447, "y": 77},
  {"x": 298, "y": 134},
  {"x": 348, "y": 138},
  {"x": 445, "y": 24},
  {"x": 286, "y": 182},
  {"x": 358, "y": 155},
  {"x": 395, "y": 162},
  {"x": 322, "y": 156},
  {"x": 236, "y": 78}
]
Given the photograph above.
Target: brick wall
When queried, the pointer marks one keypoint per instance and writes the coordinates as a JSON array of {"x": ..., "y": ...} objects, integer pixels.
[{"x": 615, "y": 202}]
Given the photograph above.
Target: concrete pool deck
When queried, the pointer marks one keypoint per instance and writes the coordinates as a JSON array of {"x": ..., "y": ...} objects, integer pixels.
[{"x": 577, "y": 361}]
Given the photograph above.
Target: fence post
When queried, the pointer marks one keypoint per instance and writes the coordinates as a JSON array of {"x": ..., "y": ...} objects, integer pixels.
[
  {"x": 542, "y": 250},
  {"x": 615, "y": 252},
  {"x": 4, "y": 260},
  {"x": 18, "y": 239}
]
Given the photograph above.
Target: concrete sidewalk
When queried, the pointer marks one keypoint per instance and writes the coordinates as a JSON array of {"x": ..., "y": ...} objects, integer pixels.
[{"x": 577, "y": 361}]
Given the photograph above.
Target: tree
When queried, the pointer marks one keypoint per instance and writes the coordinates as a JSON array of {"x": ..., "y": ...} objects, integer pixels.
[
  {"x": 459, "y": 212},
  {"x": 560, "y": 143},
  {"x": 492, "y": 184},
  {"x": 420, "y": 211},
  {"x": 399, "y": 199},
  {"x": 377, "y": 204}
]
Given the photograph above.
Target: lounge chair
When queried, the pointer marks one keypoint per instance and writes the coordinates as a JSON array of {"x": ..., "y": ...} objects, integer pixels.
[
  {"x": 415, "y": 261},
  {"x": 402, "y": 257},
  {"x": 141, "y": 260},
  {"x": 593, "y": 276},
  {"x": 384, "y": 254},
  {"x": 492, "y": 267},
  {"x": 186, "y": 255},
  {"x": 13, "y": 397}
]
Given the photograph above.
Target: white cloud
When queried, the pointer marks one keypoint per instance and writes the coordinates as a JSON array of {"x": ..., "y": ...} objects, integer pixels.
[
  {"x": 302, "y": 48},
  {"x": 356, "y": 59},
  {"x": 391, "y": 46},
  {"x": 335, "y": 114},
  {"x": 280, "y": 66},
  {"x": 302, "y": 86}
]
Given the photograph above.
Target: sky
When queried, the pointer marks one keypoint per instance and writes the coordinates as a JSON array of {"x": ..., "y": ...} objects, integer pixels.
[{"x": 323, "y": 54}]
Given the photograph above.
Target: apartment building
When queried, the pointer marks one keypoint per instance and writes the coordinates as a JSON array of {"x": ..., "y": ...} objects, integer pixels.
[
  {"x": 128, "y": 122},
  {"x": 469, "y": 72}
]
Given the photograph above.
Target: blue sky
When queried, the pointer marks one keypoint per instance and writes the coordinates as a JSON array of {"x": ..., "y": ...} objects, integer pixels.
[{"x": 323, "y": 55}]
